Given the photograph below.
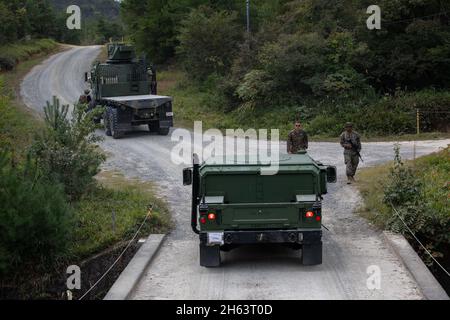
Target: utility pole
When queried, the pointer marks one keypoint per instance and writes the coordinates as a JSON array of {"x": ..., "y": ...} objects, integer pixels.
[
  {"x": 418, "y": 121},
  {"x": 248, "y": 16}
]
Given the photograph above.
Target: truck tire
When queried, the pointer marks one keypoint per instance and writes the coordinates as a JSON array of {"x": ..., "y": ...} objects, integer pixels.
[
  {"x": 163, "y": 131},
  {"x": 153, "y": 127},
  {"x": 312, "y": 254},
  {"x": 114, "y": 123},
  {"x": 209, "y": 256},
  {"x": 106, "y": 117}
]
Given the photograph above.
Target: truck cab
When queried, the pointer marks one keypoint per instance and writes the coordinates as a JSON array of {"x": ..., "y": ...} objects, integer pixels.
[{"x": 236, "y": 204}]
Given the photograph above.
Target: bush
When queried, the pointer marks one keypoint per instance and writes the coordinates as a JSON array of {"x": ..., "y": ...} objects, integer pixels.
[
  {"x": 208, "y": 42},
  {"x": 12, "y": 54},
  {"x": 35, "y": 220},
  {"x": 420, "y": 198},
  {"x": 66, "y": 151},
  {"x": 324, "y": 125}
]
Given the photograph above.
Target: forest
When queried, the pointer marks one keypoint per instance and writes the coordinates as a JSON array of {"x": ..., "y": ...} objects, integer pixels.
[
  {"x": 311, "y": 59},
  {"x": 22, "y": 19}
]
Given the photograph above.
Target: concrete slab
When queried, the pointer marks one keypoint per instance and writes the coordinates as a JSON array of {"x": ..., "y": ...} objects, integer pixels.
[
  {"x": 129, "y": 277},
  {"x": 430, "y": 287}
]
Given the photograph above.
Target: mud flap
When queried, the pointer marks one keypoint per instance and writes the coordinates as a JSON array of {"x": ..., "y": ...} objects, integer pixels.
[
  {"x": 312, "y": 254},
  {"x": 209, "y": 256}
]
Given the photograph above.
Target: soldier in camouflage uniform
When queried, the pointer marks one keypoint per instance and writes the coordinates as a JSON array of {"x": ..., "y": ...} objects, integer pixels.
[
  {"x": 297, "y": 139},
  {"x": 351, "y": 142}
]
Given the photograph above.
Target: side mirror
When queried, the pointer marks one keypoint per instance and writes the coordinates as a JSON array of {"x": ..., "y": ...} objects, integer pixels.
[
  {"x": 187, "y": 177},
  {"x": 331, "y": 174},
  {"x": 86, "y": 77}
]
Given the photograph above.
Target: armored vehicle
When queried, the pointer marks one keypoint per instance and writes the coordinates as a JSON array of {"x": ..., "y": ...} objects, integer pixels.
[
  {"x": 127, "y": 88},
  {"x": 235, "y": 204}
]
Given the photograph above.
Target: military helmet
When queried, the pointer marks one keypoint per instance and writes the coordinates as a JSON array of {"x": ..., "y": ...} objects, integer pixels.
[{"x": 348, "y": 125}]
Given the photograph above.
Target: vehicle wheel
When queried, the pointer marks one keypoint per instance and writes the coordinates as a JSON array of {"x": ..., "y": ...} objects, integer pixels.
[
  {"x": 153, "y": 127},
  {"x": 312, "y": 254},
  {"x": 163, "y": 131},
  {"x": 114, "y": 124},
  {"x": 209, "y": 256},
  {"x": 106, "y": 123}
]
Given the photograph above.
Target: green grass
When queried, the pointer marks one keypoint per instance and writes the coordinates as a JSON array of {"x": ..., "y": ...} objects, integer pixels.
[
  {"x": 433, "y": 171},
  {"x": 24, "y": 50},
  {"x": 194, "y": 103},
  {"x": 129, "y": 200},
  {"x": 17, "y": 123},
  {"x": 371, "y": 184}
]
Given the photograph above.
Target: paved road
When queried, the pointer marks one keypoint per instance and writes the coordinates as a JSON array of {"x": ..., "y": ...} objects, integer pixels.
[{"x": 350, "y": 247}]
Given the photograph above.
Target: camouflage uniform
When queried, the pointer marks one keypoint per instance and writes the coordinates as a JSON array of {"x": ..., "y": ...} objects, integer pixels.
[
  {"x": 297, "y": 140},
  {"x": 351, "y": 155}
]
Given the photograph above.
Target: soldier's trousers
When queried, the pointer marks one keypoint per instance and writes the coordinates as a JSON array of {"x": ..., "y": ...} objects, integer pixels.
[{"x": 351, "y": 161}]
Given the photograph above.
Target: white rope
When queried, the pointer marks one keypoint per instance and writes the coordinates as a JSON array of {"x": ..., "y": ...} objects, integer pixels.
[
  {"x": 412, "y": 233},
  {"x": 120, "y": 256}
]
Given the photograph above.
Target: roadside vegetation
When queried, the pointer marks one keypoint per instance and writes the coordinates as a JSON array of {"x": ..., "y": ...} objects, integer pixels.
[
  {"x": 24, "y": 19},
  {"x": 13, "y": 54},
  {"x": 419, "y": 192},
  {"x": 313, "y": 60},
  {"x": 58, "y": 208}
]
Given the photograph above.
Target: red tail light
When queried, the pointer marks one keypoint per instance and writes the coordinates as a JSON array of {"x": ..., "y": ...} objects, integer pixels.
[
  {"x": 318, "y": 218},
  {"x": 212, "y": 216},
  {"x": 309, "y": 214},
  {"x": 202, "y": 220}
]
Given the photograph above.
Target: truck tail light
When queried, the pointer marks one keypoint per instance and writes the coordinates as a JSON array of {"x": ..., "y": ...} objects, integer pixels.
[
  {"x": 212, "y": 216},
  {"x": 202, "y": 220},
  {"x": 318, "y": 218},
  {"x": 309, "y": 214}
]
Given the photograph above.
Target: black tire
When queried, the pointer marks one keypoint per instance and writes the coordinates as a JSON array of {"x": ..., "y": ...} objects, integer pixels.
[
  {"x": 106, "y": 123},
  {"x": 114, "y": 124},
  {"x": 312, "y": 254},
  {"x": 163, "y": 131},
  {"x": 209, "y": 256},
  {"x": 153, "y": 127}
]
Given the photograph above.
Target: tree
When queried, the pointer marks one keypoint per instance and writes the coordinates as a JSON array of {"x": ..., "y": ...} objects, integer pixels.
[
  {"x": 35, "y": 219},
  {"x": 66, "y": 151},
  {"x": 208, "y": 42}
]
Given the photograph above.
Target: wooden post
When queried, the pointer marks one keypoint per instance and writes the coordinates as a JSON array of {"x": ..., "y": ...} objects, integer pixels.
[
  {"x": 418, "y": 121},
  {"x": 114, "y": 221}
]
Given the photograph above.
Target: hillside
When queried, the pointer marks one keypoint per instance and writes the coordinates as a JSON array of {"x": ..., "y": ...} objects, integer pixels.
[
  {"x": 312, "y": 60},
  {"x": 89, "y": 8}
]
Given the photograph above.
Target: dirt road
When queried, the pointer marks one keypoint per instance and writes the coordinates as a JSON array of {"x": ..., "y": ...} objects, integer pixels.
[{"x": 350, "y": 246}]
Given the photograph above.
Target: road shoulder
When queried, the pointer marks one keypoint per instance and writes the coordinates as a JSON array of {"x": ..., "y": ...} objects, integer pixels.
[
  {"x": 428, "y": 284},
  {"x": 130, "y": 277}
]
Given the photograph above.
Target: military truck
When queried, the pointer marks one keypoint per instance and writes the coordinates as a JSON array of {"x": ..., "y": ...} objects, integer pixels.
[
  {"x": 235, "y": 204},
  {"x": 127, "y": 88}
]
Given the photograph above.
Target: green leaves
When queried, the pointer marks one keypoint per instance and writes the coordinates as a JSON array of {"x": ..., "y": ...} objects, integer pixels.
[
  {"x": 420, "y": 196},
  {"x": 66, "y": 150},
  {"x": 208, "y": 42},
  {"x": 35, "y": 220}
]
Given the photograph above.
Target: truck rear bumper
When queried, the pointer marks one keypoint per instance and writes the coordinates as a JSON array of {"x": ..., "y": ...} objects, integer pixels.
[{"x": 299, "y": 236}]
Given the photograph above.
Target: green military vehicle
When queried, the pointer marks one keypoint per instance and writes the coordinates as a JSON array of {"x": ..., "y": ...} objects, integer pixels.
[
  {"x": 235, "y": 204},
  {"x": 127, "y": 88}
]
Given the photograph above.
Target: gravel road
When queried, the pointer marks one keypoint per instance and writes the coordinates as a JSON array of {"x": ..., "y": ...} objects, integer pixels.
[{"x": 268, "y": 272}]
